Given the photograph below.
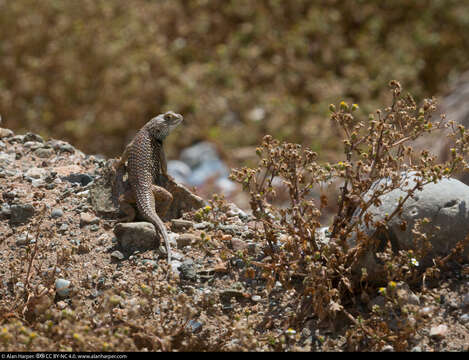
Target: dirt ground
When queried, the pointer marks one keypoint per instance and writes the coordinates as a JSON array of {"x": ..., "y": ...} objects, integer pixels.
[{"x": 68, "y": 286}]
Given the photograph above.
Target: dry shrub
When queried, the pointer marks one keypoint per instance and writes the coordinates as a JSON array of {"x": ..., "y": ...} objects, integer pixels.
[{"x": 376, "y": 148}]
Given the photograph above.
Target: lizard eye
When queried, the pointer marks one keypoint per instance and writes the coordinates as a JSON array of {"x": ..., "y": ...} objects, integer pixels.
[{"x": 167, "y": 117}]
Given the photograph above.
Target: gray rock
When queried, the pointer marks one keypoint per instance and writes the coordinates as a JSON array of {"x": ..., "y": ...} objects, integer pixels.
[
  {"x": 199, "y": 153},
  {"x": 185, "y": 240},
  {"x": 134, "y": 236},
  {"x": 150, "y": 262},
  {"x": 179, "y": 170},
  {"x": 56, "y": 213},
  {"x": 60, "y": 145},
  {"x": 181, "y": 224},
  {"x": 21, "y": 213},
  {"x": 464, "y": 318},
  {"x": 16, "y": 139},
  {"x": 5, "y": 210},
  {"x": 33, "y": 145},
  {"x": 117, "y": 255},
  {"x": 445, "y": 203},
  {"x": 194, "y": 326},
  {"x": 5, "y": 133},
  {"x": 187, "y": 270},
  {"x": 33, "y": 137},
  {"x": 62, "y": 287},
  {"x": 82, "y": 179},
  {"x": 35, "y": 173},
  {"x": 206, "y": 170},
  {"x": 44, "y": 153}
]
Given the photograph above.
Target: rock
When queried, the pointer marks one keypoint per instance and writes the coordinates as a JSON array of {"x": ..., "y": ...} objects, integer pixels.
[
  {"x": 179, "y": 170},
  {"x": 185, "y": 240},
  {"x": 226, "y": 295},
  {"x": 207, "y": 170},
  {"x": 445, "y": 203},
  {"x": 33, "y": 137},
  {"x": 134, "y": 236},
  {"x": 21, "y": 213},
  {"x": 35, "y": 173},
  {"x": 44, "y": 153},
  {"x": 438, "y": 332},
  {"x": 82, "y": 179},
  {"x": 56, "y": 213},
  {"x": 59, "y": 145},
  {"x": 181, "y": 225},
  {"x": 16, "y": 139},
  {"x": 5, "y": 210},
  {"x": 148, "y": 262},
  {"x": 5, "y": 133},
  {"x": 175, "y": 264},
  {"x": 234, "y": 210},
  {"x": 117, "y": 255},
  {"x": 199, "y": 153},
  {"x": 405, "y": 296},
  {"x": 387, "y": 348},
  {"x": 238, "y": 244},
  {"x": 256, "y": 298},
  {"x": 62, "y": 287},
  {"x": 183, "y": 200},
  {"x": 464, "y": 318},
  {"x": 33, "y": 145},
  {"x": 194, "y": 326},
  {"x": 88, "y": 219},
  {"x": 187, "y": 270}
]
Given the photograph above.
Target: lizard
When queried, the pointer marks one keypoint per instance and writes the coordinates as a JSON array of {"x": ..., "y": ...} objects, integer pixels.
[{"x": 146, "y": 167}]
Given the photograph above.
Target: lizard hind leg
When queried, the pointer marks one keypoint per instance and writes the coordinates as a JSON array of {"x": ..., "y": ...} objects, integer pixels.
[{"x": 163, "y": 199}]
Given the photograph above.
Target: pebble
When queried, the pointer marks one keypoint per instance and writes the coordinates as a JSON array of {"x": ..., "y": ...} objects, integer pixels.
[
  {"x": 61, "y": 305},
  {"x": 44, "y": 153},
  {"x": 184, "y": 240},
  {"x": 256, "y": 298},
  {"x": 117, "y": 255},
  {"x": 464, "y": 318},
  {"x": 88, "y": 219},
  {"x": 56, "y": 213},
  {"x": 238, "y": 244},
  {"x": 5, "y": 133},
  {"x": 62, "y": 287},
  {"x": 438, "y": 332},
  {"x": 387, "y": 348},
  {"x": 33, "y": 137},
  {"x": 181, "y": 224},
  {"x": 82, "y": 179},
  {"x": 5, "y": 210},
  {"x": 33, "y": 145},
  {"x": 194, "y": 326},
  {"x": 35, "y": 173},
  {"x": 152, "y": 263},
  {"x": 187, "y": 270}
]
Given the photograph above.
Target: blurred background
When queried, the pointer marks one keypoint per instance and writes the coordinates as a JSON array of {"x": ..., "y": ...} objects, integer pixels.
[{"x": 92, "y": 72}]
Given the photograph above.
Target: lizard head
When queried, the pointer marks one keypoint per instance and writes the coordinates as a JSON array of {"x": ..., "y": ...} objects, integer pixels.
[{"x": 161, "y": 125}]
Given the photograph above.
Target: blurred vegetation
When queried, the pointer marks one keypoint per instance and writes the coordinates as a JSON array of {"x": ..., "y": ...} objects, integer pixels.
[{"x": 94, "y": 71}]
